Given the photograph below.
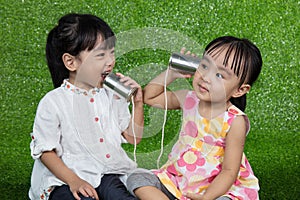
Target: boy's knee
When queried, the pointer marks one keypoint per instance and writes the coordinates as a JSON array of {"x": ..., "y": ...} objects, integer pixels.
[{"x": 141, "y": 178}]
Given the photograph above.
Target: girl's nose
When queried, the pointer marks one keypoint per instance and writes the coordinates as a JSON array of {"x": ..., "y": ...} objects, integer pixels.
[{"x": 205, "y": 77}]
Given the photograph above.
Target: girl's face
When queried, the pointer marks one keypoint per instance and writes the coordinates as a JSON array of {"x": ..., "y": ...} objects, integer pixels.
[
  {"x": 213, "y": 82},
  {"x": 94, "y": 65}
]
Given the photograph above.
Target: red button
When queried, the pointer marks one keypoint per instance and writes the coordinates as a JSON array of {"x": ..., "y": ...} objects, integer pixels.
[
  {"x": 32, "y": 137},
  {"x": 101, "y": 140},
  {"x": 107, "y": 156},
  {"x": 96, "y": 119},
  {"x": 92, "y": 100}
]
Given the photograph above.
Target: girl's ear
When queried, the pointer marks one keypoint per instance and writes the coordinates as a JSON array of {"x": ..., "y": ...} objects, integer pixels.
[
  {"x": 69, "y": 62},
  {"x": 243, "y": 89}
]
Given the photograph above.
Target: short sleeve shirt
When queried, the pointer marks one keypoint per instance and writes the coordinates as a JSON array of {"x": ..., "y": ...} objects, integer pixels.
[{"x": 84, "y": 128}]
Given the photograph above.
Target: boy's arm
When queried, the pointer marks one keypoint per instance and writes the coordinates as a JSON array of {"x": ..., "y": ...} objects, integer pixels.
[
  {"x": 137, "y": 112},
  {"x": 62, "y": 172}
]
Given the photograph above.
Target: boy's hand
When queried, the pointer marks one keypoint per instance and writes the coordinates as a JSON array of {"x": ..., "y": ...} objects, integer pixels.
[
  {"x": 84, "y": 188},
  {"x": 133, "y": 84}
]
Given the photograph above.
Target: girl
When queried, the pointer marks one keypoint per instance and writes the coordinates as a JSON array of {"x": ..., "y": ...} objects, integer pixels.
[
  {"x": 79, "y": 126},
  {"x": 207, "y": 161}
]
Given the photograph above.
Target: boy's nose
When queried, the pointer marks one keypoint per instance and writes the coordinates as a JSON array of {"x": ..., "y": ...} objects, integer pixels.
[{"x": 110, "y": 60}]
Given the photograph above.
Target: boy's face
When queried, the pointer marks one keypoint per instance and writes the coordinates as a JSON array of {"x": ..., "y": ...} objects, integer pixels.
[{"x": 94, "y": 65}]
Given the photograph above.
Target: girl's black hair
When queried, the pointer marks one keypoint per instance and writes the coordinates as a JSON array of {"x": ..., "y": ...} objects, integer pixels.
[
  {"x": 246, "y": 63},
  {"x": 73, "y": 34}
]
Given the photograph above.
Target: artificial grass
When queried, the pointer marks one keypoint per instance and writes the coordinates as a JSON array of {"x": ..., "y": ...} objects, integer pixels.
[{"x": 147, "y": 33}]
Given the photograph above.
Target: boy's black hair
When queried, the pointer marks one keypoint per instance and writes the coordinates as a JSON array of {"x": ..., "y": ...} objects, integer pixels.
[
  {"x": 246, "y": 63},
  {"x": 73, "y": 34}
]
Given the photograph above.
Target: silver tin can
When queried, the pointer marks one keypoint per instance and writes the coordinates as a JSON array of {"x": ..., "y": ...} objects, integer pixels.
[
  {"x": 185, "y": 64},
  {"x": 112, "y": 82}
]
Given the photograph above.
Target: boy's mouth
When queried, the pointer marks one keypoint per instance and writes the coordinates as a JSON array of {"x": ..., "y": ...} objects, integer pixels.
[{"x": 104, "y": 74}]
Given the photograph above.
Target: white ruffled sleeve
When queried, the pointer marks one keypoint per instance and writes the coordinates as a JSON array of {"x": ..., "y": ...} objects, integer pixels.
[{"x": 46, "y": 129}]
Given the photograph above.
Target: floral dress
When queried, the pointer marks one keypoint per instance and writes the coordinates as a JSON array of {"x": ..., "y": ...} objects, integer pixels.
[{"x": 196, "y": 158}]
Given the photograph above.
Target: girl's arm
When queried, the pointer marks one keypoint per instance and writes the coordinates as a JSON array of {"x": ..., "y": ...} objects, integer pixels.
[
  {"x": 235, "y": 141},
  {"x": 62, "y": 172},
  {"x": 154, "y": 92}
]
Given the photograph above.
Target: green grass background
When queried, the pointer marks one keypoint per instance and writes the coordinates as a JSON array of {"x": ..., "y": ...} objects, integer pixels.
[{"x": 273, "y": 105}]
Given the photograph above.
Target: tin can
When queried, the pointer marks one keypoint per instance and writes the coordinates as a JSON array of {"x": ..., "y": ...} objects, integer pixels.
[
  {"x": 112, "y": 82},
  {"x": 185, "y": 64}
]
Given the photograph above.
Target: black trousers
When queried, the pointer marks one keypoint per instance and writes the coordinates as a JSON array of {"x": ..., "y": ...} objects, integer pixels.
[{"x": 111, "y": 188}]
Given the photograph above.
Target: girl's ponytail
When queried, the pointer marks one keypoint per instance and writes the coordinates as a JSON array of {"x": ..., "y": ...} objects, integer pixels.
[{"x": 239, "y": 102}]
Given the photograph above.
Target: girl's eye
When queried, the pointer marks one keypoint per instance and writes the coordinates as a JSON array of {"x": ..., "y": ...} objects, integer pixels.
[
  {"x": 204, "y": 66},
  {"x": 219, "y": 75}
]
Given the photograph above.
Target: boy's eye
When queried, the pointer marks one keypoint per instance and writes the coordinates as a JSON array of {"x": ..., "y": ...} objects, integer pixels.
[{"x": 100, "y": 54}]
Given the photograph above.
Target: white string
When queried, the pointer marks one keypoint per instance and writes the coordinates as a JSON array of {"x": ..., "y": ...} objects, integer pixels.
[
  {"x": 133, "y": 132},
  {"x": 165, "y": 119}
]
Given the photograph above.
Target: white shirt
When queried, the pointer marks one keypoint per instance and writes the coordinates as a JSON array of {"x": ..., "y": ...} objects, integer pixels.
[{"x": 84, "y": 128}]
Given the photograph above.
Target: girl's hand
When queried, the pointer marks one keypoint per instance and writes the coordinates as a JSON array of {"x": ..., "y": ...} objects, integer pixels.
[
  {"x": 176, "y": 74},
  {"x": 133, "y": 84},
  {"x": 83, "y": 187},
  {"x": 182, "y": 51},
  {"x": 193, "y": 196}
]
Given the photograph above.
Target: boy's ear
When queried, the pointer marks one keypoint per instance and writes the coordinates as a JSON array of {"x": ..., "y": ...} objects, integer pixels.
[
  {"x": 69, "y": 62},
  {"x": 243, "y": 89}
]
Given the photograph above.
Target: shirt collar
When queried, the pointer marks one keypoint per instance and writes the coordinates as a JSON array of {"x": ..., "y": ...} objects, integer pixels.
[{"x": 72, "y": 88}]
